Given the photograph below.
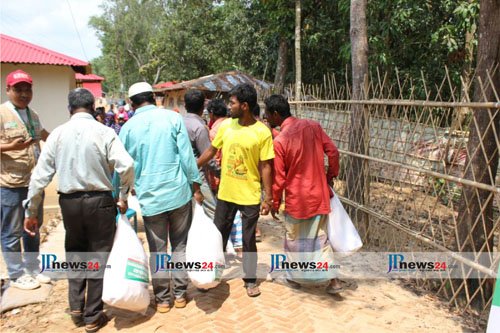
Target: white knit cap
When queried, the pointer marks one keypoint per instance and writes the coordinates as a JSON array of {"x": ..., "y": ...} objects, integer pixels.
[{"x": 138, "y": 88}]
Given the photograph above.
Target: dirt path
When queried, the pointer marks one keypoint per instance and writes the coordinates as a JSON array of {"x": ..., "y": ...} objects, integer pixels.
[{"x": 375, "y": 306}]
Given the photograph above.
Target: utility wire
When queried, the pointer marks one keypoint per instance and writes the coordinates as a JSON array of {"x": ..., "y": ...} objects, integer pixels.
[{"x": 77, "y": 32}]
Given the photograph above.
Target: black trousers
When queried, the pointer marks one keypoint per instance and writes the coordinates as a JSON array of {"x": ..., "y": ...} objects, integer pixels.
[
  {"x": 224, "y": 218},
  {"x": 90, "y": 222}
]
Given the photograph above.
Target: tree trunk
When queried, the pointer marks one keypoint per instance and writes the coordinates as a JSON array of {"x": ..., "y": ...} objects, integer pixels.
[
  {"x": 281, "y": 68},
  {"x": 357, "y": 170},
  {"x": 458, "y": 120},
  {"x": 475, "y": 219},
  {"x": 159, "y": 68},
  {"x": 298, "y": 62}
]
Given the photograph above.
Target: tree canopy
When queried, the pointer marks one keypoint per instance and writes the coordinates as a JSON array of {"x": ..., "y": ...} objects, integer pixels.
[{"x": 161, "y": 40}]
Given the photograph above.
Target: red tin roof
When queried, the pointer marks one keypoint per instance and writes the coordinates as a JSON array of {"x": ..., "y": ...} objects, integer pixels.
[
  {"x": 14, "y": 50},
  {"x": 88, "y": 77}
]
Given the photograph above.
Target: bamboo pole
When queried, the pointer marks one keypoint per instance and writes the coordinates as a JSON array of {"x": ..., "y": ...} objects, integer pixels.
[
  {"x": 473, "y": 105},
  {"x": 421, "y": 238},
  {"x": 464, "y": 181}
]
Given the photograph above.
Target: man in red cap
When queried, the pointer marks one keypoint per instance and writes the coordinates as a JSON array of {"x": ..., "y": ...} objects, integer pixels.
[{"x": 20, "y": 135}]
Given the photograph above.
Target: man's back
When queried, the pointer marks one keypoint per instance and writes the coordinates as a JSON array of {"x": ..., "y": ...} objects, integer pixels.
[
  {"x": 81, "y": 149},
  {"x": 198, "y": 133},
  {"x": 164, "y": 163},
  {"x": 300, "y": 150},
  {"x": 84, "y": 153}
]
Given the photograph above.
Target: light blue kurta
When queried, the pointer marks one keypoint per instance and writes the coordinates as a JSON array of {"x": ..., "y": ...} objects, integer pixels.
[{"x": 165, "y": 167}]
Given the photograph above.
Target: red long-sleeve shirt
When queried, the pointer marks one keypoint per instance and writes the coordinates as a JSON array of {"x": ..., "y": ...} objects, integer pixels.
[{"x": 299, "y": 168}]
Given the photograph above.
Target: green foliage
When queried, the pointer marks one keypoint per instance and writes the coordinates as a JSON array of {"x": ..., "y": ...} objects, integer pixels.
[
  {"x": 129, "y": 32},
  {"x": 420, "y": 36},
  {"x": 445, "y": 191},
  {"x": 157, "y": 41},
  {"x": 164, "y": 40}
]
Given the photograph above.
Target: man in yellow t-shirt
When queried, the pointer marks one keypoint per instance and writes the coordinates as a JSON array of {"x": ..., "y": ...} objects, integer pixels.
[{"x": 245, "y": 142}]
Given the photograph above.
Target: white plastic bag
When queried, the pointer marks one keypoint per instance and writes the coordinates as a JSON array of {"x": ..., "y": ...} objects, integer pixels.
[
  {"x": 133, "y": 203},
  {"x": 204, "y": 246},
  {"x": 126, "y": 278},
  {"x": 342, "y": 234},
  {"x": 230, "y": 248}
]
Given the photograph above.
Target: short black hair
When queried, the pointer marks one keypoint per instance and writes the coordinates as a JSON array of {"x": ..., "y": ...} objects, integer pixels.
[
  {"x": 245, "y": 93},
  {"x": 278, "y": 103},
  {"x": 99, "y": 111},
  {"x": 217, "y": 107},
  {"x": 146, "y": 96},
  {"x": 81, "y": 98},
  {"x": 194, "y": 100}
]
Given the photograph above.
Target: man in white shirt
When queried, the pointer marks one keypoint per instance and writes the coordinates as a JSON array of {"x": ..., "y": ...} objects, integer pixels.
[{"x": 84, "y": 153}]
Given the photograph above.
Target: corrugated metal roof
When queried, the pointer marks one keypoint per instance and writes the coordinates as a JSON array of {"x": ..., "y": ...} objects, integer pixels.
[
  {"x": 88, "y": 77},
  {"x": 164, "y": 85},
  {"x": 14, "y": 50},
  {"x": 222, "y": 82}
]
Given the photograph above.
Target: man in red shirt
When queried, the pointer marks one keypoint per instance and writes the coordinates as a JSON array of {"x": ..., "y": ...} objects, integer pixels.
[{"x": 299, "y": 171}]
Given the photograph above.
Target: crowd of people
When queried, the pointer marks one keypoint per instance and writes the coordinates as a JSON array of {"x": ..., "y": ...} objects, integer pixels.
[
  {"x": 114, "y": 118},
  {"x": 236, "y": 165}
]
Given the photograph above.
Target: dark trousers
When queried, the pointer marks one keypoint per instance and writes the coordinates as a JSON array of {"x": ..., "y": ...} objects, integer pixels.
[
  {"x": 90, "y": 222},
  {"x": 224, "y": 218},
  {"x": 173, "y": 225}
]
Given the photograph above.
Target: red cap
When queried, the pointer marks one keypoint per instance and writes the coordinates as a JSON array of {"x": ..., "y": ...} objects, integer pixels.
[{"x": 18, "y": 76}]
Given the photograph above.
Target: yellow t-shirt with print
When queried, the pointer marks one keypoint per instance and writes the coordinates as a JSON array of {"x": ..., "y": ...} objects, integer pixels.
[{"x": 242, "y": 149}]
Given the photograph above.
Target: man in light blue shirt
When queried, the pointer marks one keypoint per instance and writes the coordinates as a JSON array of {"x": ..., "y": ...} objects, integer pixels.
[{"x": 166, "y": 178}]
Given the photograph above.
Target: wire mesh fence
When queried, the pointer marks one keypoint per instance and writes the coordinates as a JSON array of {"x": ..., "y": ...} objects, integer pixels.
[{"x": 427, "y": 176}]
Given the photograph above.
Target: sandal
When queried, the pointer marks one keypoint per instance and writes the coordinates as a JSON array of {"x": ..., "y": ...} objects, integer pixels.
[
  {"x": 97, "y": 325},
  {"x": 334, "y": 290},
  {"x": 349, "y": 285},
  {"x": 180, "y": 302},
  {"x": 76, "y": 317},
  {"x": 292, "y": 284},
  {"x": 252, "y": 290},
  {"x": 163, "y": 307}
]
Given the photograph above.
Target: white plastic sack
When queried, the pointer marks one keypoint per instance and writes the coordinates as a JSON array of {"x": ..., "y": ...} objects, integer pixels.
[
  {"x": 126, "y": 278},
  {"x": 342, "y": 234},
  {"x": 230, "y": 248},
  {"x": 204, "y": 245},
  {"x": 133, "y": 203}
]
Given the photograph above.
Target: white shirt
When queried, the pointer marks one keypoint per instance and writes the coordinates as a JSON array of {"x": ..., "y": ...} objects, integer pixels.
[{"x": 84, "y": 153}]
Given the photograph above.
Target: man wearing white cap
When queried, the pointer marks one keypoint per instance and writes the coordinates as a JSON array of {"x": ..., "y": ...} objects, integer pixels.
[
  {"x": 166, "y": 178},
  {"x": 20, "y": 135}
]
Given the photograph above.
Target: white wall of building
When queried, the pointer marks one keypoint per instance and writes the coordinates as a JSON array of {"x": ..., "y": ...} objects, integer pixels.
[{"x": 51, "y": 86}]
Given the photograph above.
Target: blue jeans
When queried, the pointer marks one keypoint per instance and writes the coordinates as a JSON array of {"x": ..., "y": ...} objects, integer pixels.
[{"x": 12, "y": 231}]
